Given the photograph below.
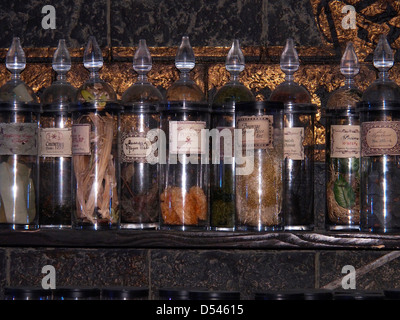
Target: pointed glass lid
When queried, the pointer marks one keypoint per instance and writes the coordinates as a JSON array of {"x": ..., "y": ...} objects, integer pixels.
[
  {"x": 61, "y": 92},
  {"x": 289, "y": 91},
  {"x": 95, "y": 91},
  {"x": 383, "y": 88},
  {"x": 142, "y": 91},
  {"x": 347, "y": 95},
  {"x": 233, "y": 91},
  {"x": 185, "y": 89},
  {"x": 15, "y": 90}
]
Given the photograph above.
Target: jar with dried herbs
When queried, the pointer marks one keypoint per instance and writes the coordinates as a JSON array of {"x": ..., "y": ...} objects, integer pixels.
[
  {"x": 19, "y": 169},
  {"x": 95, "y": 151},
  {"x": 259, "y": 171},
  {"x": 139, "y": 168}
]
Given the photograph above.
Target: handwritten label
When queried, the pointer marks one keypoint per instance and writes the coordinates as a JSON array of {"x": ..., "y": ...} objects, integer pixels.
[
  {"x": 185, "y": 137},
  {"x": 134, "y": 148},
  {"x": 18, "y": 138},
  {"x": 263, "y": 130},
  {"x": 293, "y": 139},
  {"x": 55, "y": 142},
  {"x": 380, "y": 138},
  {"x": 81, "y": 139},
  {"x": 345, "y": 141}
]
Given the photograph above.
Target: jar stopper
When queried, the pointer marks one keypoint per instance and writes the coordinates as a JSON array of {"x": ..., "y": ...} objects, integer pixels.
[
  {"x": 15, "y": 59},
  {"x": 185, "y": 60},
  {"x": 142, "y": 62},
  {"x": 93, "y": 58},
  {"x": 234, "y": 63},
  {"x": 61, "y": 60},
  {"x": 349, "y": 65},
  {"x": 289, "y": 61}
]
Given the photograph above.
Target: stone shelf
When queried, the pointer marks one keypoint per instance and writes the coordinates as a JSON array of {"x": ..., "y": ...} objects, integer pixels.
[{"x": 199, "y": 240}]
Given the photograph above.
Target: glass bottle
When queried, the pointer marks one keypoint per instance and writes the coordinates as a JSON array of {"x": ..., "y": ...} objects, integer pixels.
[
  {"x": 259, "y": 170},
  {"x": 222, "y": 169},
  {"x": 55, "y": 145},
  {"x": 19, "y": 162},
  {"x": 380, "y": 147},
  {"x": 298, "y": 144},
  {"x": 95, "y": 154},
  {"x": 343, "y": 149},
  {"x": 139, "y": 170},
  {"x": 184, "y": 173}
]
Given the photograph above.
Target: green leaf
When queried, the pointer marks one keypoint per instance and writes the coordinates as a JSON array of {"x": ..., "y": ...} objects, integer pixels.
[{"x": 344, "y": 194}]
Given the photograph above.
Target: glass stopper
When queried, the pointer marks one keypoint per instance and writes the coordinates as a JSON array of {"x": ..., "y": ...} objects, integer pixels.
[
  {"x": 61, "y": 59},
  {"x": 349, "y": 65},
  {"x": 93, "y": 57},
  {"x": 15, "y": 59},
  {"x": 185, "y": 60},
  {"x": 289, "y": 59},
  {"x": 142, "y": 62},
  {"x": 235, "y": 59},
  {"x": 383, "y": 55}
]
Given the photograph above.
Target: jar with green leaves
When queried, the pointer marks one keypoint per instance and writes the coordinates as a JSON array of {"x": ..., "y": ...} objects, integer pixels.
[{"x": 343, "y": 150}]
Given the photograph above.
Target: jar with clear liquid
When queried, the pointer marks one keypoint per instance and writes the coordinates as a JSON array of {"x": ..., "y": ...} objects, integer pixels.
[
  {"x": 19, "y": 162},
  {"x": 55, "y": 146},
  {"x": 380, "y": 148},
  {"x": 299, "y": 121},
  {"x": 184, "y": 173}
]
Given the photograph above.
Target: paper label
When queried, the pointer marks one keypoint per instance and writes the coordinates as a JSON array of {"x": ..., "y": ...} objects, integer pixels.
[
  {"x": 18, "y": 138},
  {"x": 134, "y": 148},
  {"x": 55, "y": 142},
  {"x": 263, "y": 130},
  {"x": 345, "y": 141},
  {"x": 293, "y": 147},
  {"x": 380, "y": 138},
  {"x": 185, "y": 137},
  {"x": 81, "y": 139}
]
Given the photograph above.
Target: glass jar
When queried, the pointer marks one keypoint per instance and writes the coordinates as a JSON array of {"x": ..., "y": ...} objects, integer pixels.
[
  {"x": 380, "y": 148},
  {"x": 184, "y": 169},
  {"x": 222, "y": 168},
  {"x": 27, "y": 293},
  {"x": 343, "y": 150},
  {"x": 299, "y": 166},
  {"x": 19, "y": 161},
  {"x": 184, "y": 175},
  {"x": 124, "y": 293},
  {"x": 95, "y": 150},
  {"x": 139, "y": 167},
  {"x": 298, "y": 144},
  {"x": 71, "y": 293},
  {"x": 259, "y": 196},
  {"x": 55, "y": 146}
]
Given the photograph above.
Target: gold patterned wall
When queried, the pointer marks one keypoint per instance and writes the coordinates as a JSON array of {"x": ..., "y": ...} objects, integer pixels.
[{"x": 319, "y": 71}]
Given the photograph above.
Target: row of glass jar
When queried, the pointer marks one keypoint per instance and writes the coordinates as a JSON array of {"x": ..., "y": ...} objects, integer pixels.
[
  {"x": 83, "y": 157},
  {"x": 172, "y": 293}
]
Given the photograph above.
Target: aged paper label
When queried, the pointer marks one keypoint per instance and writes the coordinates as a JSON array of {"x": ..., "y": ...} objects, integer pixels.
[
  {"x": 185, "y": 137},
  {"x": 380, "y": 138},
  {"x": 293, "y": 139},
  {"x": 263, "y": 130},
  {"x": 81, "y": 139},
  {"x": 345, "y": 141},
  {"x": 56, "y": 142},
  {"x": 19, "y": 139}
]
